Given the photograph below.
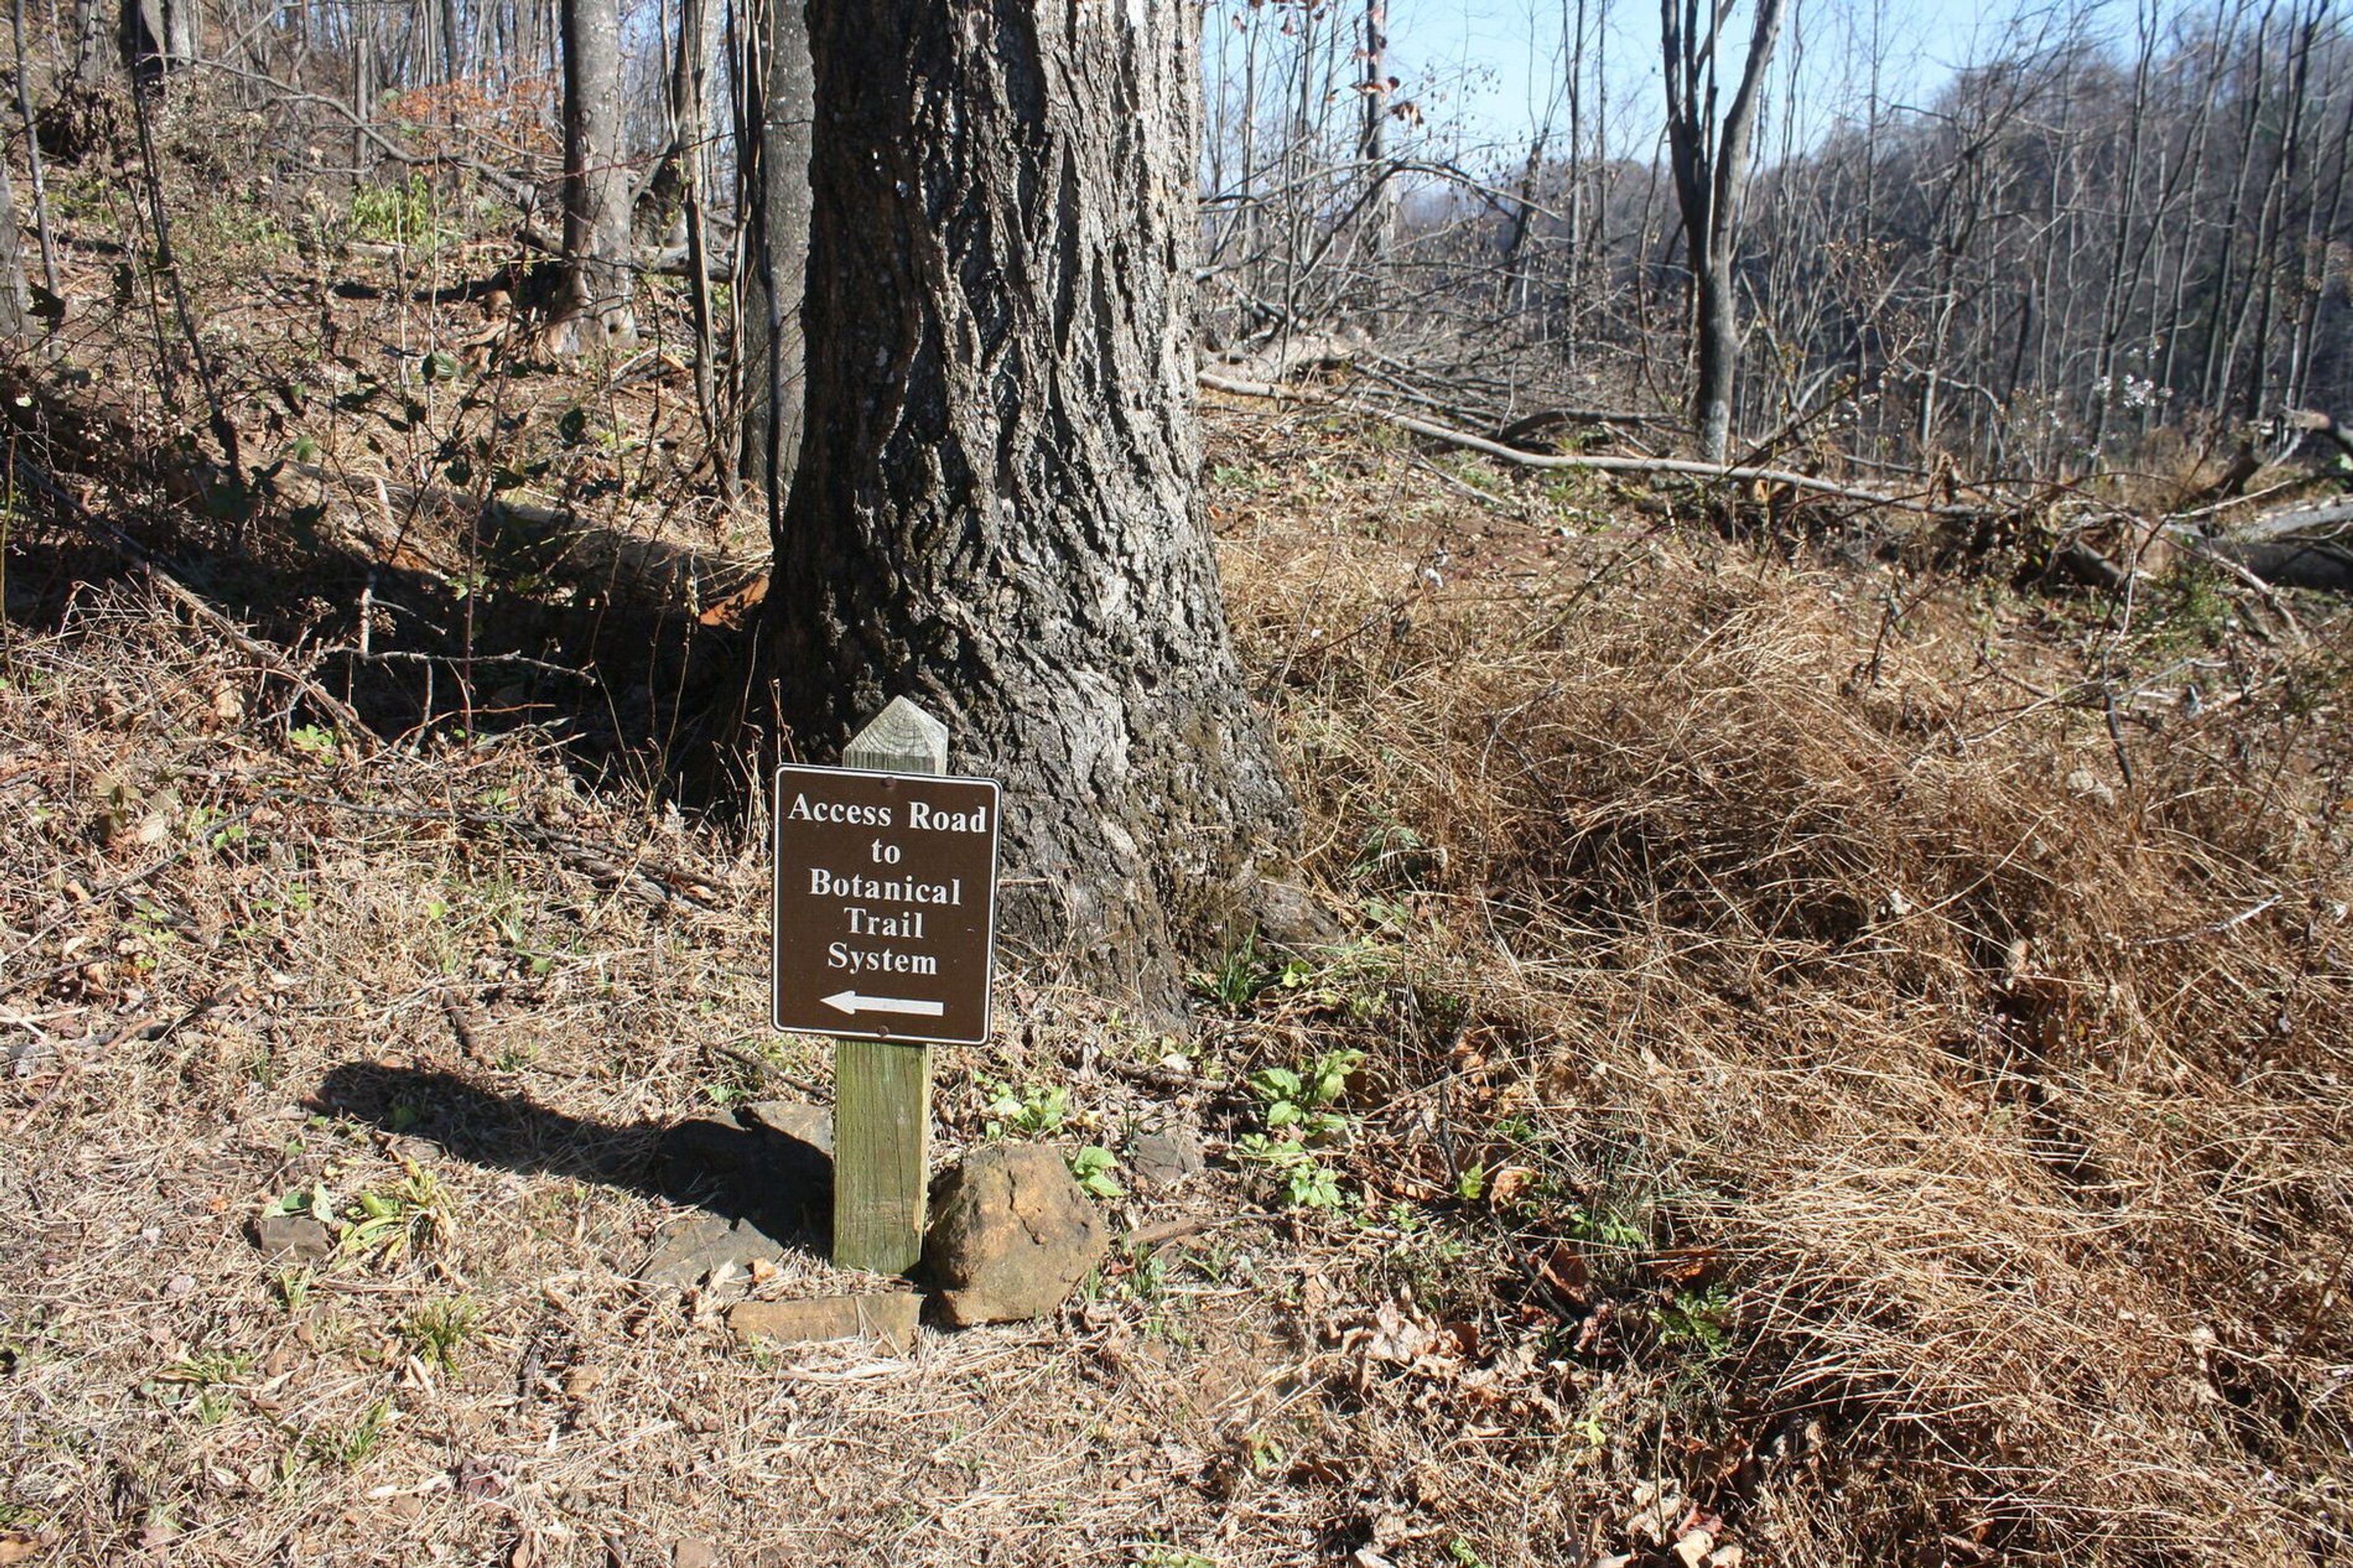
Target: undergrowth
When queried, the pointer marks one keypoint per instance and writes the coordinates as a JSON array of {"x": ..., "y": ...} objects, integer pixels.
[{"x": 1896, "y": 1085}]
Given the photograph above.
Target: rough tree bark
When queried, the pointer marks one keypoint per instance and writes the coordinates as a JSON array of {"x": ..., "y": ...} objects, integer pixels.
[
  {"x": 995, "y": 512},
  {"x": 775, "y": 191},
  {"x": 597, "y": 306},
  {"x": 158, "y": 36},
  {"x": 15, "y": 314},
  {"x": 91, "y": 53},
  {"x": 1711, "y": 167}
]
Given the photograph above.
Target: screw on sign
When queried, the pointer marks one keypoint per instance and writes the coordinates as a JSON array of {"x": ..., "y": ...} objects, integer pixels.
[{"x": 885, "y": 889}]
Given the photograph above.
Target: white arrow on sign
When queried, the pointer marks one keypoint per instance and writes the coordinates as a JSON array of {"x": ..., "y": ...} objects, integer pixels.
[{"x": 851, "y": 1002}]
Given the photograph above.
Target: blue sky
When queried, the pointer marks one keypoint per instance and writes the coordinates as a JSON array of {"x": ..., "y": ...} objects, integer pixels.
[{"x": 1487, "y": 70}]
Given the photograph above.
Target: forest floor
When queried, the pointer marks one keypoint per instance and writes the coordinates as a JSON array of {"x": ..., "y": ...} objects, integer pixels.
[{"x": 1830, "y": 1058}]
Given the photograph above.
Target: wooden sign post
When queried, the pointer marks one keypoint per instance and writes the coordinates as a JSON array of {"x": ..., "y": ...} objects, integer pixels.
[{"x": 885, "y": 939}]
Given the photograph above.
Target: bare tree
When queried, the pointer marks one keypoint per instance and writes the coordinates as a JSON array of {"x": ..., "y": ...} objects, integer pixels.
[
  {"x": 598, "y": 307},
  {"x": 16, "y": 315},
  {"x": 93, "y": 47},
  {"x": 773, "y": 170},
  {"x": 159, "y": 36},
  {"x": 1709, "y": 156}
]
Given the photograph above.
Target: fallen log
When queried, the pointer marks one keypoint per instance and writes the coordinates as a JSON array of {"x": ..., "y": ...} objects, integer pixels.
[
  {"x": 2323, "y": 565},
  {"x": 1809, "y": 483}
]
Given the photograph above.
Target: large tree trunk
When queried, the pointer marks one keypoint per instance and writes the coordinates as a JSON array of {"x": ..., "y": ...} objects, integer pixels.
[
  {"x": 598, "y": 308},
  {"x": 777, "y": 193},
  {"x": 93, "y": 43},
  {"x": 160, "y": 36},
  {"x": 16, "y": 315},
  {"x": 995, "y": 512}
]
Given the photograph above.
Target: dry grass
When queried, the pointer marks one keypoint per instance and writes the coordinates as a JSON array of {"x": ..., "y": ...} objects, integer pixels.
[
  {"x": 1815, "y": 1105},
  {"x": 2002, "y": 1104},
  {"x": 242, "y": 964}
]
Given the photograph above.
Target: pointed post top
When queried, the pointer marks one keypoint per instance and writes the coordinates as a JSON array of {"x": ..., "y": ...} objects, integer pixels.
[{"x": 901, "y": 738}]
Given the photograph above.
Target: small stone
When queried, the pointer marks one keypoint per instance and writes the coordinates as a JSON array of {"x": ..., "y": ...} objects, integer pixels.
[
  {"x": 702, "y": 1245},
  {"x": 809, "y": 1124},
  {"x": 695, "y": 1554},
  {"x": 1289, "y": 916},
  {"x": 2085, "y": 784},
  {"x": 1164, "y": 1158},
  {"x": 1012, "y": 1235},
  {"x": 887, "y": 1315},
  {"x": 297, "y": 1235}
]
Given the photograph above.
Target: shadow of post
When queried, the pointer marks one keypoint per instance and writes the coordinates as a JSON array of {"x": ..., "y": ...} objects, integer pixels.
[{"x": 763, "y": 1166}]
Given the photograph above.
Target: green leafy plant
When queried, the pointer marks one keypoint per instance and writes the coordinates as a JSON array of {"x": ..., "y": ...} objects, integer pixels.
[
  {"x": 1301, "y": 1098},
  {"x": 351, "y": 1446},
  {"x": 1701, "y": 1319},
  {"x": 402, "y": 214},
  {"x": 293, "y": 1288},
  {"x": 1606, "y": 1227},
  {"x": 435, "y": 1331},
  {"x": 1298, "y": 1106},
  {"x": 1247, "y": 971},
  {"x": 1092, "y": 1167},
  {"x": 1393, "y": 857},
  {"x": 1306, "y": 1181},
  {"x": 1034, "y": 1109},
  {"x": 411, "y": 1218}
]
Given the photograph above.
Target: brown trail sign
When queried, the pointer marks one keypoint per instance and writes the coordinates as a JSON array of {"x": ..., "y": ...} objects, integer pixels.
[
  {"x": 884, "y": 938},
  {"x": 885, "y": 889}
]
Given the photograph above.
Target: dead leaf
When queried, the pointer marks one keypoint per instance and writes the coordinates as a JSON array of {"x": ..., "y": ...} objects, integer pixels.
[
  {"x": 736, "y": 609},
  {"x": 1508, "y": 1184},
  {"x": 1564, "y": 1269},
  {"x": 1686, "y": 1265},
  {"x": 1397, "y": 1337}
]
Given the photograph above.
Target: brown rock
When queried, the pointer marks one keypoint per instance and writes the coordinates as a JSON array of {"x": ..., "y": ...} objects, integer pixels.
[
  {"x": 791, "y": 1119},
  {"x": 298, "y": 1235},
  {"x": 695, "y": 1554},
  {"x": 695, "y": 1247},
  {"x": 1165, "y": 1158},
  {"x": 887, "y": 1315},
  {"x": 1012, "y": 1235}
]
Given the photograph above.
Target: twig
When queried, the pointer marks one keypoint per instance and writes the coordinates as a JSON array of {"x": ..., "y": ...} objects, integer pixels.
[{"x": 2216, "y": 929}]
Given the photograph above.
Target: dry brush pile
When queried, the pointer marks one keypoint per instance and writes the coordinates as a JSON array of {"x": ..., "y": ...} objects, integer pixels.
[{"x": 1897, "y": 1136}]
